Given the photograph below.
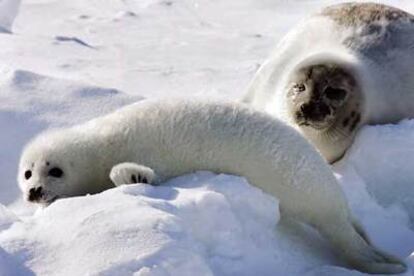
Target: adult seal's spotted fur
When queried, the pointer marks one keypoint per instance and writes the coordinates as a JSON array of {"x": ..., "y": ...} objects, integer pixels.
[
  {"x": 346, "y": 66},
  {"x": 156, "y": 140}
]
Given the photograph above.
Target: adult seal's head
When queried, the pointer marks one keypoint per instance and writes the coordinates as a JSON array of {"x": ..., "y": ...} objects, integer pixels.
[
  {"x": 341, "y": 68},
  {"x": 324, "y": 99},
  {"x": 323, "y": 95}
]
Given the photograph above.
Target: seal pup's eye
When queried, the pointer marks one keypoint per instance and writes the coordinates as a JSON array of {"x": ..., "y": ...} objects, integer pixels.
[
  {"x": 27, "y": 174},
  {"x": 299, "y": 87},
  {"x": 55, "y": 172},
  {"x": 335, "y": 94}
]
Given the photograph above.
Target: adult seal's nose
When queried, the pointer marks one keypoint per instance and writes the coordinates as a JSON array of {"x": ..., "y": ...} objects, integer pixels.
[
  {"x": 315, "y": 111},
  {"x": 305, "y": 109},
  {"x": 35, "y": 193}
]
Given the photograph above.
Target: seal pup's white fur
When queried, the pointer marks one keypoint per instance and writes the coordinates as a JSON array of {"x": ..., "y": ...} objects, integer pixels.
[{"x": 157, "y": 140}]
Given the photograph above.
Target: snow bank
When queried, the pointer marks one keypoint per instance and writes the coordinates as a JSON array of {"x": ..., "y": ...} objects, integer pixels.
[
  {"x": 7, "y": 218},
  {"x": 377, "y": 177},
  {"x": 199, "y": 224},
  {"x": 8, "y": 12},
  {"x": 203, "y": 226},
  {"x": 381, "y": 156},
  {"x": 8, "y": 264}
]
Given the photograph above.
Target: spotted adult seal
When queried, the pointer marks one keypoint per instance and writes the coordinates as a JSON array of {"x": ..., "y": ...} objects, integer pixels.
[{"x": 349, "y": 65}]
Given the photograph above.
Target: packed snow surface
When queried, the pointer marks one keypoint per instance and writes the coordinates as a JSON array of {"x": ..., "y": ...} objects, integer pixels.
[{"x": 66, "y": 61}]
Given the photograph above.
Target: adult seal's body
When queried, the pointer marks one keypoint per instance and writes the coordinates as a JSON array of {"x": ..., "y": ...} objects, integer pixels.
[
  {"x": 349, "y": 65},
  {"x": 156, "y": 140}
]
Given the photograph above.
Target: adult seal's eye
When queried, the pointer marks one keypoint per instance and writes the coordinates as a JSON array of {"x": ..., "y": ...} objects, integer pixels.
[
  {"x": 55, "y": 172},
  {"x": 299, "y": 87},
  {"x": 27, "y": 174}
]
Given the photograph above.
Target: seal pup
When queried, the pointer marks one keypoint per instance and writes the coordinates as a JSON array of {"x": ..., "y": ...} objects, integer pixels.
[
  {"x": 153, "y": 141},
  {"x": 346, "y": 66}
]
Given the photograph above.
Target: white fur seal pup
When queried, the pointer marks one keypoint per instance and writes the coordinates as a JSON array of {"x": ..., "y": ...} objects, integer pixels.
[
  {"x": 349, "y": 65},
  {"x": 152, "y": 141}
]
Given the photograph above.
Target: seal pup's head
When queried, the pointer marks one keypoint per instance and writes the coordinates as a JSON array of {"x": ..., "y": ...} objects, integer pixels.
[
  {"x": 324, "y": 95},
  {"x": 55, "y": 165}
]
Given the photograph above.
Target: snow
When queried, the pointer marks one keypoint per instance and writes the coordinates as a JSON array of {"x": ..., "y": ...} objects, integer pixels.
[
  {"x": 158, "y": 229},
  {"x": 199, "y": 224},
  {"x": 66, "y": 61},
  {"x": 8, "y": 12}
]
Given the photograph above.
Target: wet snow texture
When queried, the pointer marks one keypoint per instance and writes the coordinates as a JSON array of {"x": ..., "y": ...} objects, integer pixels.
[{"x": 70, "y": 60}]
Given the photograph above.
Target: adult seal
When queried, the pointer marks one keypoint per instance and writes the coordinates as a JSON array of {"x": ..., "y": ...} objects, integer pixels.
[
  {"x": 153, "y": 141},
  {"x": 344, "y": 67}
]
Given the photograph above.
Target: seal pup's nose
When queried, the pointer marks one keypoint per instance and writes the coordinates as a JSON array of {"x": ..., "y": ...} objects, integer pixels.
[{"x": 35, "y": 193}]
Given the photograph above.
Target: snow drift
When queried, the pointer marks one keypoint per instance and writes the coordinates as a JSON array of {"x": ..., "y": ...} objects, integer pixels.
[
  {"x": 200, "y": 224},
  {"x": 8, "y": 12}
]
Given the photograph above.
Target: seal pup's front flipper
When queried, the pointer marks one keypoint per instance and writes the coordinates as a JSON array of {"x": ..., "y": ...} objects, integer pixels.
[{"x": 131, "y": 173}]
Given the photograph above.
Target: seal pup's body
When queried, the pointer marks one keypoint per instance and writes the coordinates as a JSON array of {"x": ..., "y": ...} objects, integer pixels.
[{"x": 155, "y": 140}]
